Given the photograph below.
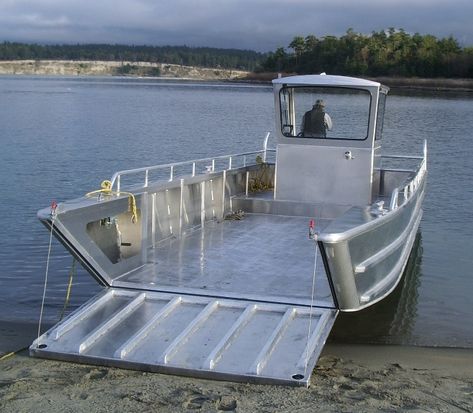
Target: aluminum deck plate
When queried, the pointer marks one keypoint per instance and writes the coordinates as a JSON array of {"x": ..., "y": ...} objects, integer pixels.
[
  {"x": 261, "y": 257},
  {"x": 206, "y": 337}
]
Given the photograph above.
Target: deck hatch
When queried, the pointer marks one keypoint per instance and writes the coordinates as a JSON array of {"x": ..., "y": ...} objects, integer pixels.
[{"x": 192, "y": 335}]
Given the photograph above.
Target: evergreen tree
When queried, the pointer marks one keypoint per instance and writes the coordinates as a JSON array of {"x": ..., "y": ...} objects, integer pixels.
[{"x": 389, "y": 52}]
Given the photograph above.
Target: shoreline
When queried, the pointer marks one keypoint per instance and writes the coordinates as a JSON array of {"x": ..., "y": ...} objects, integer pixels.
[
  {"x": 347, "y": 378},
  {"x": 115, "y": 68},
  {"x": 396, "y": 84},
  {"x": 16, "y": 335},
  {"x": 166, "y": 71}
]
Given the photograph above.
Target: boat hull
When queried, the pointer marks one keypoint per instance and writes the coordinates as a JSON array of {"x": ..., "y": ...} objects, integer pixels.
[{"x": 366, "y": 262}]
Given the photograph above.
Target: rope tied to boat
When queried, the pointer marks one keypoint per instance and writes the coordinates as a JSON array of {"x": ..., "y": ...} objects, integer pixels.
[
  {"x": 53, "y": 215},
  {"x": 259, "y": 182},
  {"x": 235, "y": 215},
  {"x": 106, "y": 189},
  {"x": 314, "y": 237},
  {"x": 72, "y": 272}
]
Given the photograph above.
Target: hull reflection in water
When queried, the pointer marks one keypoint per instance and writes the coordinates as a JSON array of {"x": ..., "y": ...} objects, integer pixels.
[{"x": 391, "y": 320}]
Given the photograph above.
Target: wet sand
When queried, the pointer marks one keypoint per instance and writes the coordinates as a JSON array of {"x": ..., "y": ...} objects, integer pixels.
[{"x": 347, "y": 378}]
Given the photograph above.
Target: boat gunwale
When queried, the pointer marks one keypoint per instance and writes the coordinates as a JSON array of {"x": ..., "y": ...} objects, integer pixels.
[{"x": 420, "y": 174}]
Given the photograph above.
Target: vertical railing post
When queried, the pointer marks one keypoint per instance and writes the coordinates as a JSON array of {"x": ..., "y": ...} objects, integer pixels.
[
  {"x": 265, "y": 147},
  {"x": 213, "y": 165},
  {"x": 118, "y": 184},
  {"x": 393, "y": 203},
  {"x": 146, "y": 177},
  {"x": 425, "y": 150},
  {"x": 145, "y": 218},
  {"x": 202, "y": 204},
  {"x": 247, "y": 182},
  {"x": 181, "y": 207},
  {"x": 153, "y": 218},
  {"x": 171, "y": 176},
  {"x": 224, "y": 184},
  {"x": 230, "y": 163},
  {"x": 193, "y": 168}
]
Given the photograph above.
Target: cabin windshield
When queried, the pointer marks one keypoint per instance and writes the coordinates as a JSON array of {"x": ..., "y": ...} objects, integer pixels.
[{"x": 324, "y": 112}]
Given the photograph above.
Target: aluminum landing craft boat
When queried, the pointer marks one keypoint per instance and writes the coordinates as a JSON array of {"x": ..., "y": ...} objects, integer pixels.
[{"x": 235, "y": 267}]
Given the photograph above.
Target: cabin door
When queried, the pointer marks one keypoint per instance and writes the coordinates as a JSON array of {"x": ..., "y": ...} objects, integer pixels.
[{"x": 324, "y": 174}]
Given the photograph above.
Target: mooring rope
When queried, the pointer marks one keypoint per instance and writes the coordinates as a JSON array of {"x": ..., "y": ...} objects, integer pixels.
[
  {"x": 53, "y": 217},
  {"x": 72, "y": 272},
  {"x": 311, "y": 310}
]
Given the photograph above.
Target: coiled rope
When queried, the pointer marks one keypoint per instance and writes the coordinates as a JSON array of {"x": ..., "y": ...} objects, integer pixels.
[{"x": 106, "y": 189}]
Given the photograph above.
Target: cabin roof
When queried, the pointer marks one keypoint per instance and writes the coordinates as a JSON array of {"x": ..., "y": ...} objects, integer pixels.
[{"x": 325, "y": 80}]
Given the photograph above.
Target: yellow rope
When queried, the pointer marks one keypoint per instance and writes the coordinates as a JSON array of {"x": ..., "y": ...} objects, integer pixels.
[
  {"x": 66, "y": 302},
  {"x": 13, "y": 353},
  {"x": 8, "y": 355},
  {"x": 106, "y": 189},
  {"x": 69, "y": 288}
]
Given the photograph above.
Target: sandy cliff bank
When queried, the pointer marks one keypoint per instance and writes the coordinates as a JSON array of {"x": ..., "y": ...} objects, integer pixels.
[
  {"x": 164, "y": 70},
  {"x": 102, "y": 68}
]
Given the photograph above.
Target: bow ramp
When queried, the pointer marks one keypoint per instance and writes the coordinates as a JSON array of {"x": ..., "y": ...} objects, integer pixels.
[
  {"x": 222, "y": 301},
  {"x": 191, "y": 335}
]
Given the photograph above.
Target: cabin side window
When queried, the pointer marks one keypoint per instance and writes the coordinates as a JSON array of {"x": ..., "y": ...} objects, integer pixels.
[
  {"x": 321, "y": 112},
  {"x": 380, "y": 116}
]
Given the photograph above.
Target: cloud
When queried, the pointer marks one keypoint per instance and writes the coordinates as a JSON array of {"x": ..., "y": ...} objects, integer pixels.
[{"x": 257, "y": 24}]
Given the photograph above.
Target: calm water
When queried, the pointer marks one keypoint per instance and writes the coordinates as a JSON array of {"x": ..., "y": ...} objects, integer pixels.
[{"x": 61, "y": 137}]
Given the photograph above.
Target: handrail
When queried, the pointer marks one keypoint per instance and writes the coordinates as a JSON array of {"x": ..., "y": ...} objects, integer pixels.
[
  {"x": 265, "y": 145},
  {"x": 403, "y": 156},
  {"x": 411, "y": 187},
  {"x": 116, "y": 177}
]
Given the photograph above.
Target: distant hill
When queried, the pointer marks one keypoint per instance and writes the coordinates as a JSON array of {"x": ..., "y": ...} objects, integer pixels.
[{"x": 247, "y": 60}]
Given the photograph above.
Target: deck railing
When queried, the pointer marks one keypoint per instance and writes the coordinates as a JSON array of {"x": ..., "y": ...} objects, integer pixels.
[
  {"x": 226, "y": 162},
  {"x": 408, "y": 189}
]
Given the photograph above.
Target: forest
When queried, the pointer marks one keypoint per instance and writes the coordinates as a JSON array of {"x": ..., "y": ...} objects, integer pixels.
[
  {"x": 391, "y": 52},
  {"x": 385, "y": 53},
  {"x": 181, "y": 55}
]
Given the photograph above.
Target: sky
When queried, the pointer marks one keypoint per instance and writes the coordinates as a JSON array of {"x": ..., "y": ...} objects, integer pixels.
[{"x": 261, "y": 25}]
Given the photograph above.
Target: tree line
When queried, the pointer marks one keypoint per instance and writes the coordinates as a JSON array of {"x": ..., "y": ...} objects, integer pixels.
[
  {"x": 182, "y": 55},
  {"x": 385, "y": 53}
]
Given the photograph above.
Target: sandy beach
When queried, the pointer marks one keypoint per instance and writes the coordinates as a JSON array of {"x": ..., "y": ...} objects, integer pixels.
[{"x": 347, "y": 378}]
